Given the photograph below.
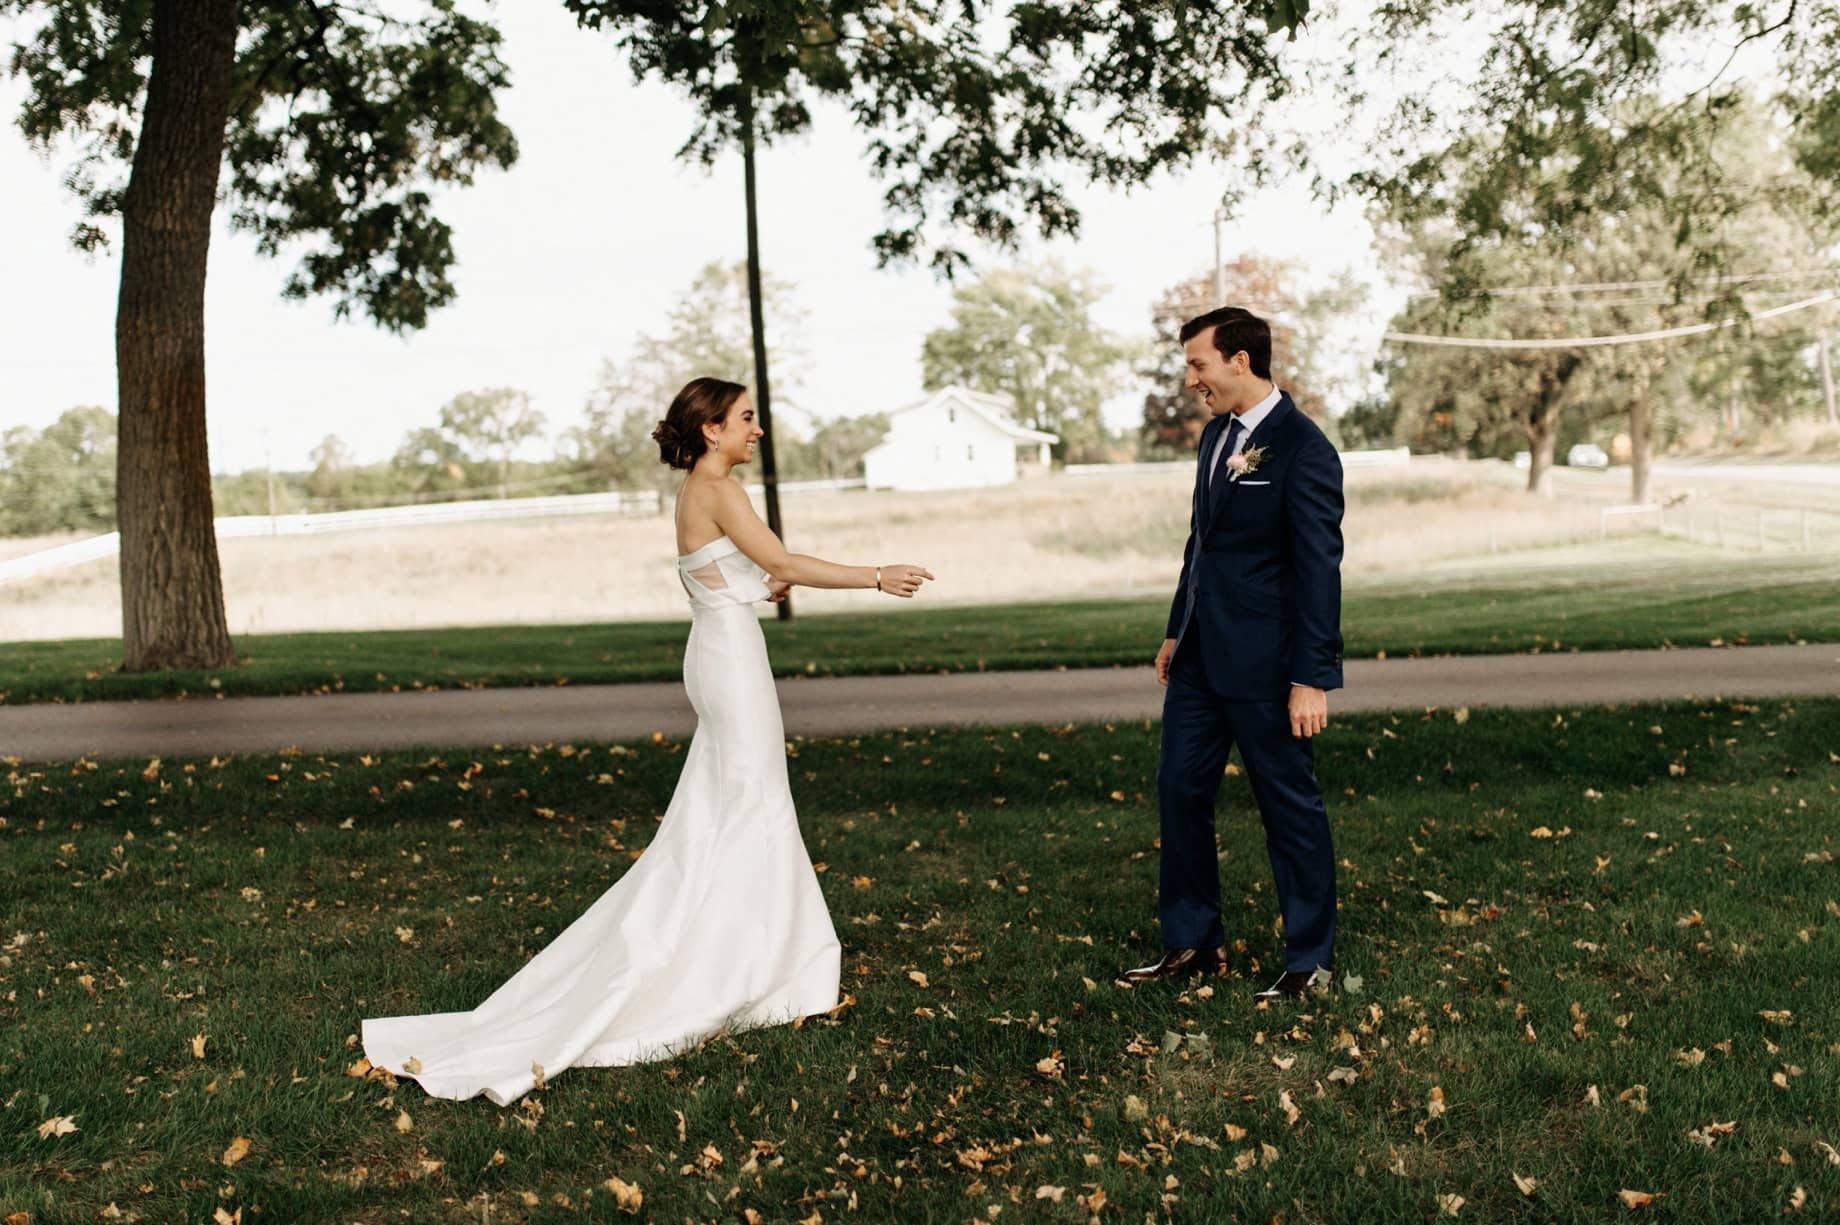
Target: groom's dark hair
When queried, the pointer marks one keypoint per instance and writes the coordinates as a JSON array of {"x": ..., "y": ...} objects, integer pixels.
[{"x": 1235, "y": 329}]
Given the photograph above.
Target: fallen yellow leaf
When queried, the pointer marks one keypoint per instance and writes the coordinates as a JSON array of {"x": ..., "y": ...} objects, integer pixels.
[
  {"x": 1523, "y": 1184},
  {"x": 1635, "y": 1199},
  {"x": 62, "y": 1125},
  {"x": 239, "y": 1149}
]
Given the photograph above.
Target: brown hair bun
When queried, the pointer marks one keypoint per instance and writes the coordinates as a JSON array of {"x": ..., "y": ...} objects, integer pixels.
[{"x": 703, "y": 401}]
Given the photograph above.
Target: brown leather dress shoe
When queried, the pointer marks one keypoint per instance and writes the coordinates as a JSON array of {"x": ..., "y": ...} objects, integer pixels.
[
  {"x": 1179, "y": 963},
  {"x": 1294, "y": 983}
]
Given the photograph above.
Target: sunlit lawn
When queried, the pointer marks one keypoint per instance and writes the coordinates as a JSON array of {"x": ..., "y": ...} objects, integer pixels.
[
  {"x": 1688, "y": 600},
  {"x": 1592, "y": 949}
]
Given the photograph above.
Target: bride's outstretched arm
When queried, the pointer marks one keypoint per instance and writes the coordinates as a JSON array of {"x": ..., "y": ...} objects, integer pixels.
[{"x": 734, "y": 514}]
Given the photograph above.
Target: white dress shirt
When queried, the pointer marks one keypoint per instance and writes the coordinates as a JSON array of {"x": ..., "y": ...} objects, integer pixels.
[{"x": 1249, "y": 421}]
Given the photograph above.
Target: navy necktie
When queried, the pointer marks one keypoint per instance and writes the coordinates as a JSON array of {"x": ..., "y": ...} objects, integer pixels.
[{"x": 1234, "y": 429}]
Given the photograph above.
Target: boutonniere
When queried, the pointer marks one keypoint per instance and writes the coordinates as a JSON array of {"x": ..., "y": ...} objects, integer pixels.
[{"x": 1245, "y": 463}]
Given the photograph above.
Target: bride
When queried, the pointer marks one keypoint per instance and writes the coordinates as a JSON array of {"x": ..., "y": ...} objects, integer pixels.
[{"x": 720, "y": 924}]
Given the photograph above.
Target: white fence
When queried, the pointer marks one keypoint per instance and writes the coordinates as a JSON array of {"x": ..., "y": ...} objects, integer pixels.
[
  {"x": 1759, "y": 529},
  {"x": 1392, "y": 458},
  {"x": 73, "y": 554},
  {"x": 645, "y": 501},
  {"x": 237, "y": 527}
]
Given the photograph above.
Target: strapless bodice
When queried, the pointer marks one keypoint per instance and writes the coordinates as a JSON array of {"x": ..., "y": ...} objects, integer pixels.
[{"x": 720, "y": 575}]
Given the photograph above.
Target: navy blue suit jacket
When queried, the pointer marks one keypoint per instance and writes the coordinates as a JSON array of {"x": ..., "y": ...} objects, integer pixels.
[{"x": 1262, "y": 574}]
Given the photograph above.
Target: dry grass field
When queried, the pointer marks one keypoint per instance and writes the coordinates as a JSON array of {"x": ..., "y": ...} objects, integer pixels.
[{"x": 1066, "y": 535}]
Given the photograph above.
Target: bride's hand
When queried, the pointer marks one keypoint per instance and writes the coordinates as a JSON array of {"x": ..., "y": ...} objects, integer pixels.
[
  {"x": 777, "y": 590},
  {"x": 903, "y": 580}
]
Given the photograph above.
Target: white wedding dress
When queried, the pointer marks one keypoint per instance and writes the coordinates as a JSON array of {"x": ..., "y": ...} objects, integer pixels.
[{"x": 720, "y": 924}]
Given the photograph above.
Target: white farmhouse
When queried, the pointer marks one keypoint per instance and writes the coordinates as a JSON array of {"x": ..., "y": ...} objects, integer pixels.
[{"x": 955, "y": 439}]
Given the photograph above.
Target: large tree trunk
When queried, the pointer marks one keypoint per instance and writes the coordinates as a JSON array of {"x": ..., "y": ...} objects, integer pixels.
[
  {"x": 172, "y": 599},
  {"x": 769, "y": 472},
  {"x": 1638, "y": 433},
  {"x": 1543, "y": 435}
]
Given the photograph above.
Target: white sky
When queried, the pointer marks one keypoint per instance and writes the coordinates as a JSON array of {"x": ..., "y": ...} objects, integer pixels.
[{"x": 580, "y": 247}]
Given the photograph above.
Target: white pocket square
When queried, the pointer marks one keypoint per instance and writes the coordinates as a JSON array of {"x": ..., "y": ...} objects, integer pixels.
[{"x": 1254, "y": 482}]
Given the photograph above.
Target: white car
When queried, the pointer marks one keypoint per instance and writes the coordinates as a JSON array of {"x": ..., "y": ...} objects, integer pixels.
[
  {"x": 1523, "y": 460},
  {"x": 1587, "y": 455}
]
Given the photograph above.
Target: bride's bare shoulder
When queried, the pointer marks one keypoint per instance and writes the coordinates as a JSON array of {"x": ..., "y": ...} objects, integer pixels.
[{"x": 713, "y": 494}]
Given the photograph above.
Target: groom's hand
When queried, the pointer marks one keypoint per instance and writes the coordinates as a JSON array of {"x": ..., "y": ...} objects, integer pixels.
[
  {"x": 1309, "y": 711},
  {"x": 1162, "y": 661}
]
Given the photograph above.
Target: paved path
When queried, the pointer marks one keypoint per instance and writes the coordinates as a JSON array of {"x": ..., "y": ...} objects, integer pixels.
[{"x": 472, "y": 717}]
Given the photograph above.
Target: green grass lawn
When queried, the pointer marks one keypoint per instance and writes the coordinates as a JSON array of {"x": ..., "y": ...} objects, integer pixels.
[
  {"x": 1593, "y": 949},
  {"x": 1629, "y": 599}
]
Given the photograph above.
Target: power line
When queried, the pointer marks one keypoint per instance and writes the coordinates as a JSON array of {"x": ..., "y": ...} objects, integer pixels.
[
  {"x": 1599, "y": 286},
  {"x": 1582, "y": 342}
]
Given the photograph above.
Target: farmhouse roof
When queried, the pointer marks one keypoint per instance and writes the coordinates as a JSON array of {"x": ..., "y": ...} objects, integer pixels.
[{"x": 994, "y": 409}]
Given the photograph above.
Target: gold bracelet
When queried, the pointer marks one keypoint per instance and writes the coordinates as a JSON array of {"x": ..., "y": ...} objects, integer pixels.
[{"x": 878, "y": 578}]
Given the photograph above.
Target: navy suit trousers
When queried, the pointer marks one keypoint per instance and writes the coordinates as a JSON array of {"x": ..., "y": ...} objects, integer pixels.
[{"x": 1200, "y": 729}]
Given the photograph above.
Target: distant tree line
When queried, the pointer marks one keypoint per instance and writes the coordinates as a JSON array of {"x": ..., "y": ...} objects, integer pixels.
[{"x": 1767, "y": 243}]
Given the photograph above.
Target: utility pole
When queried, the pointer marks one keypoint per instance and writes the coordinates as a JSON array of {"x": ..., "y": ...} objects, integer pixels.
[
  {"x": 763, "y": 401},
  {"x": 268, "y": 473},
  {"x": 1220, "y": 269},
  {"x": 1827, "y": 376}
]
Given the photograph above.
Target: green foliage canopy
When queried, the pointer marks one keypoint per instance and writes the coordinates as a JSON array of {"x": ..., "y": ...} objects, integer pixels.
[
  {"x": 343, "y": 116},
  {"x": 973, "y": 112}
]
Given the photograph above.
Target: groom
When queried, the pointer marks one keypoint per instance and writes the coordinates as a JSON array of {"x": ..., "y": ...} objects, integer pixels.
[{"x": 1253, "y": 643}]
